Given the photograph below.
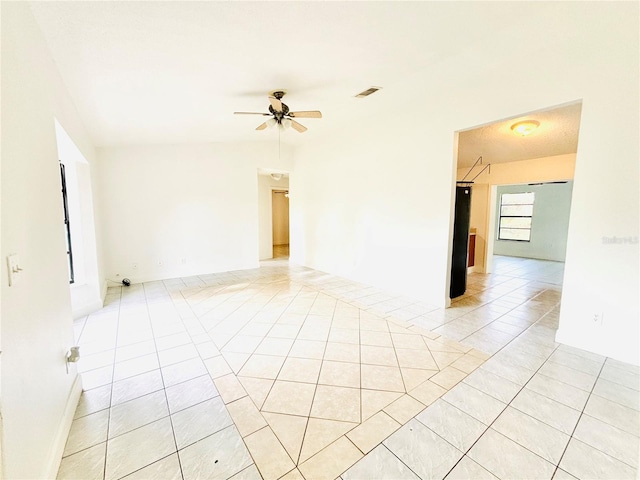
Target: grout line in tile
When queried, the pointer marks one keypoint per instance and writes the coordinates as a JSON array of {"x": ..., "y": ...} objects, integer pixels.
[
  {"x": 578, "y": 422},
  {"x": 316, "y": 285},
  {"x": 166, "y": 399},
  {"x": 106, "y": 447},
  {"x": 494, "y": 421}
]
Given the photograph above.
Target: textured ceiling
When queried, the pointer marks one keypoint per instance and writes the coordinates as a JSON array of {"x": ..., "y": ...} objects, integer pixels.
[
  {"x": 175, "y": 71},
  {"x": 496, "y": 143}
]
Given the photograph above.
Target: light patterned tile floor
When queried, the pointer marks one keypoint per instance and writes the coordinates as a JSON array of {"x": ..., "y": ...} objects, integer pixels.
[{"x": 286, "y": 372}]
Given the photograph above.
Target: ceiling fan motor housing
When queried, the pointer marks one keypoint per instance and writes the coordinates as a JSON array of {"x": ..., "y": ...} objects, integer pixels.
[
  {"x": 281, "y": 112},
  {"x": 279, "y": 115}
]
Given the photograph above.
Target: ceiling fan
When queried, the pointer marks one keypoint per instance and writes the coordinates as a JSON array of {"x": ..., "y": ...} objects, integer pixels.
[{"x": 281, "y": 116}]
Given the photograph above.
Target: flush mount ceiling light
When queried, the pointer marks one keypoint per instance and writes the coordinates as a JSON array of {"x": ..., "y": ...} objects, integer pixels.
[
  {"x": 525, "y": 128},
  {"x": 276, "y": 176}
]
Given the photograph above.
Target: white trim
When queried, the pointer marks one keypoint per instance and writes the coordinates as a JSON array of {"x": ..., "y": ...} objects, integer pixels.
[
  {"x": 88, "y": 308},
  {"x": 275, "y": 189},
  {"x": 452, "y": 219},
  {"x": 150, "y": 277},
  {"x": 1, "y": 443},
  {"x": 591, "y": 340},
  {"x": 491, "y": 228},
  {"x": 85, "y": 299},
  {"x": 104, "y": 287},
  {"x": 57, "y": 449}
]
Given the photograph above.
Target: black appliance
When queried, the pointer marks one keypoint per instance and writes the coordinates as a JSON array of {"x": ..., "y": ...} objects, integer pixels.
[{"x": 460, "y": 241}]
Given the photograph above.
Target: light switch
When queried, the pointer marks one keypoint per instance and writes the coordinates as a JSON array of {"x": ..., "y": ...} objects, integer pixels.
[{"x": 13, "y": 262}]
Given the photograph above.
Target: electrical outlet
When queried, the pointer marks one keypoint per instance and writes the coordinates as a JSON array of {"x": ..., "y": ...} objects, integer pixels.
[
  {"x": 597, "y": 318},
  {"x": 184, "y": 260}
]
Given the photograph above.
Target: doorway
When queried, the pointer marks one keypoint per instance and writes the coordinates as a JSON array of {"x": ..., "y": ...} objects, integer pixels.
[
  {"x": 273, "y": 214},
  {"x": 280, "y": 223},
  {"x": 530, "y": 221},
  {"x": 498, "y": 159}
]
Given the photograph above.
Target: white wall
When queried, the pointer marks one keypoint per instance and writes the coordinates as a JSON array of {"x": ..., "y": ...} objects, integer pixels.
[
  {"x": 38, "y": 396},
  {"x": 549, "y": 224},
  {"x": 180, "y": 210},
  {"x": 86, "y": 295},
  {"x": 364, "y": 208},
  {"x": 266, "y": 184},
  {"x": 385, "y": 219},
  {"x": 546, "y": 169}
]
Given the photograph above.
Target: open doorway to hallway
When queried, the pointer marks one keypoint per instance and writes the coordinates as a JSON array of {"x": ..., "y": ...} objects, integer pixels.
[
  {"x": 280, "y": 223},
  {"x": 521, "y": 183},
  {"x": 273, "y": 214}
]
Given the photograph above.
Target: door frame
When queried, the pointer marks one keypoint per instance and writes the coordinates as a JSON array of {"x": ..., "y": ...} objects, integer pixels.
[{"x": 273, "y": 190}]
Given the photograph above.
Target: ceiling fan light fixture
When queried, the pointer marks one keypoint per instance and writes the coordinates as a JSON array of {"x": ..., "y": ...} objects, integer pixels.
[
  {"x": 281, "y": 116},
  {"x": 524, "y": 128}
]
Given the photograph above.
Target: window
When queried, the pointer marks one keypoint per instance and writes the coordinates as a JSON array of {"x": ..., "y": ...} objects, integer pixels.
[
  {"x": 516, "y": 211},
  {"x": 65, "y": 205}
]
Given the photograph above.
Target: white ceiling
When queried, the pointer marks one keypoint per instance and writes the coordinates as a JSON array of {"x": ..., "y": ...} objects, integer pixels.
[
  {"x": 496, "y": 143},
  {"x": 168, "y": 72}
]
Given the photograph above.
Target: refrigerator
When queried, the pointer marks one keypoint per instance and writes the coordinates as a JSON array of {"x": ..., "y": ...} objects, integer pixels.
[{"x": 460, "y": 241}]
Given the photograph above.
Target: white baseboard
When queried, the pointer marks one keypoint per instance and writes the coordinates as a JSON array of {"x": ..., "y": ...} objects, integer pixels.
[
  {"x": 88, "y": 308},
  {"x": 57, "y": 449},
  {"x": 594, "y": 343},
  {"x": 103, "y": 291},
  {"x": 114, "y": 281}
]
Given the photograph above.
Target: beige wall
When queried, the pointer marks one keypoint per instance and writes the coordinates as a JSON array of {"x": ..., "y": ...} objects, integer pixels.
[
  {"x": 280, "y": 219},
  {"x": 559, "y": 167},
  {"x": 480, "y": 195}
]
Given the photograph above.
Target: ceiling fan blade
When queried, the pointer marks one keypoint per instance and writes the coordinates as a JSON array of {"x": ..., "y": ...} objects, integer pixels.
[
  {"x": 296, "y": 126},
  {"x": 262, "y": 126},
  {"x": 276, "y": 104},
  {"x": 306, "y": 114},
  {"x": 251, "y": 113}
]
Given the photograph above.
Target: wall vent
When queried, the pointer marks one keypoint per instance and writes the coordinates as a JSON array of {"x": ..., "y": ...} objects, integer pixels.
[{"x": 368, "y": 92}]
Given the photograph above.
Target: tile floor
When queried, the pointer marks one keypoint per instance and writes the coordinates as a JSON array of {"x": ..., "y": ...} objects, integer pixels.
[{"x": 287, "y": 372}]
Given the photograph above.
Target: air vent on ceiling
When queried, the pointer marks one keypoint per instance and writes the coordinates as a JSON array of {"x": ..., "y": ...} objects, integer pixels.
[{"x": 368, "y": 92}]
